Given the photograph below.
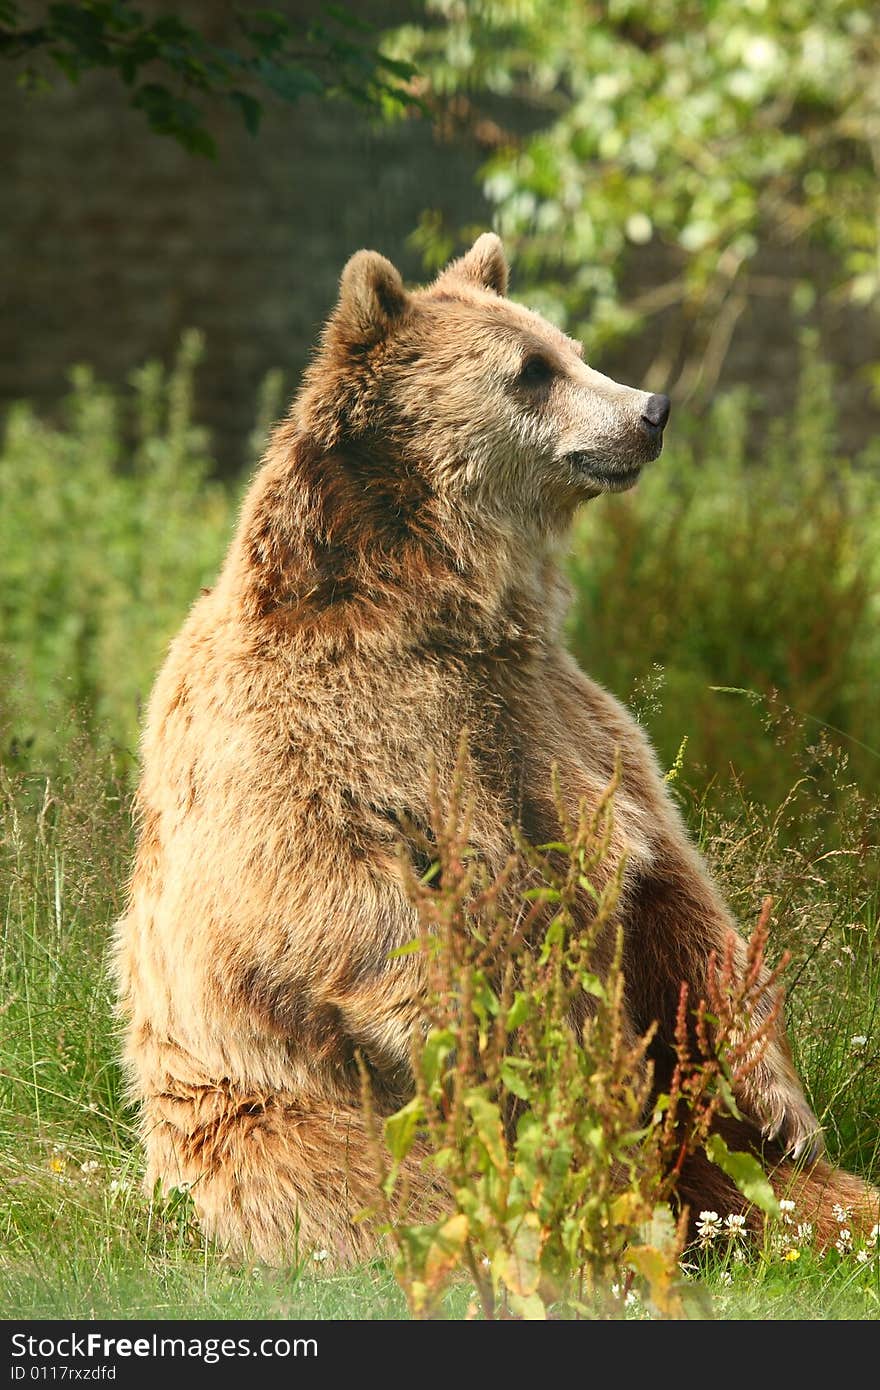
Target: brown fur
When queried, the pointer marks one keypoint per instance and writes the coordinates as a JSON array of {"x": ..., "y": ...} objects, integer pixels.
[{"x": 394, "y": 578}]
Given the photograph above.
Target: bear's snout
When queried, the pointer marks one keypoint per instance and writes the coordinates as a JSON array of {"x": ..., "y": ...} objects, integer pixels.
[{"x": 655, "y": 412}]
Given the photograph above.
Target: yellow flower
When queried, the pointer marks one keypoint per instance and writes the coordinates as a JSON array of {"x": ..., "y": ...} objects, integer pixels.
[
  {"x": 792, "y": 1255},
  {"x": 57, "y": 1164}
]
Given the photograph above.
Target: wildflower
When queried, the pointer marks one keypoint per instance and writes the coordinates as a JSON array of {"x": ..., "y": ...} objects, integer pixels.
[
  {"x": 57, "y": 1162},
  {"x": 862, "y": 1256},
  {"x": 792, "y": 1255},
  {"x": 319, "y": 1255},
  {"x": 735, "y": 1224},
  {"x": 844, "y": 1241},
  {"x": 858, "y": 1042},
  {"x": 725, "y": 1277},
  {"x": 805, "y": 1232},
  {"x": 708, "y": 1227},
  {"x": 786, "y": 1207},
  {"x": 841, "y": 1214},
  {"x": 873, "y": 1238},
  {"x": 90, "y": 1166}
]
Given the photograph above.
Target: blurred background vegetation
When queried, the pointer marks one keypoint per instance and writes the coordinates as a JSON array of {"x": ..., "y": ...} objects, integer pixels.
[{"x": 692, "y": 189}]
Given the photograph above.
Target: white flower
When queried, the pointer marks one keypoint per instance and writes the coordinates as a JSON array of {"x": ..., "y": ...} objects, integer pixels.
[
  {"x": 786, "y": 1207},
  {"x": 708, "y": 1227},
  {"x": 858, "y": 1042},
  {"x": 844, "y": 1241},
  {"x": 319, "y": 1255},
  {"x": 725, "y": 1277},
  {"x": 841, "y": 1214},
  {"x": 873, "y": 1237},
  {"x": 862, "y": 1256},
  {"x": 805, "y": 1232},
  {"x": 91, "y": 1165}
]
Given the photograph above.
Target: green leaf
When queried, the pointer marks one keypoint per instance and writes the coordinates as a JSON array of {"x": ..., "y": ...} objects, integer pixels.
[
  {"x": 401, "y": 1129},
  {"x": 746, "y": 1172},
  {"x": 251, "y": 110},
  {"x": 409, "y": 948},
  {"x": 438, "y": 1045},
  {"x": 290, "y": 81},
  {"x": 591, "y": 984},
  {"x": 487, "y": 1122},
  {"x": 518, "y": 1011},
  {"x": 530, "y": 1308},
  {"x": 515, "y": 1074}
]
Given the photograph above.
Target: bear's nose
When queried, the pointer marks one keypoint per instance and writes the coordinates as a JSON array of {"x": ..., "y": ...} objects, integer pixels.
[{"x": 656, "y": 411}]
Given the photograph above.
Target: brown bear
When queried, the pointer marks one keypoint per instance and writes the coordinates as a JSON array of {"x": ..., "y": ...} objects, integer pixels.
[{"x": 394, "y": 579}]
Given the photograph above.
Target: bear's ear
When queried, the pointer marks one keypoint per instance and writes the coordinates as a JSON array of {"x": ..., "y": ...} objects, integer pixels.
[
  {"x": 371, "y": 298},
  {"x": 484, "y": 265}
]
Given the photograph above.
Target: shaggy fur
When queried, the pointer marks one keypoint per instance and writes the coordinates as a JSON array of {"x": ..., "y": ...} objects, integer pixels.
[{"x": 394, "y": 578}]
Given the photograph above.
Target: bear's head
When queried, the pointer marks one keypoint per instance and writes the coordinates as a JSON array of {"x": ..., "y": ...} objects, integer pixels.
[
  {"x": 487, "y": 404},
  {"x": 431, "y": 463}
]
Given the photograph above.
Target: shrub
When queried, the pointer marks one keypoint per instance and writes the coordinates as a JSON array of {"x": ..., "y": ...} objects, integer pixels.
[
  {"x": 109, "y": 524},
  {"x": 746, "y": 558},
  {"x": 532, "y": 1104}
]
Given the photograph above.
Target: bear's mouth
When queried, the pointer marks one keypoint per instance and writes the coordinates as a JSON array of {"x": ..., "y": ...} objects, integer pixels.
[{"x": 609, "y": 479}]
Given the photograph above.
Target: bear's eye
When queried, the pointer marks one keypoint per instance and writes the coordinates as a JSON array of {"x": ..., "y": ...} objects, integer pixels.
[{"x": 536, "y": 371}]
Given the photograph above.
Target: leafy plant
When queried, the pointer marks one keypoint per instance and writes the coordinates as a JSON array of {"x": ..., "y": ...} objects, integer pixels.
[
  {"x": 742, "y": 565},
  {"x": 533, "y": 1103},
  {"x": 169, "y": 66},
  {"x": 109, "y": 525},
  {"x": 710, "y": 133}
]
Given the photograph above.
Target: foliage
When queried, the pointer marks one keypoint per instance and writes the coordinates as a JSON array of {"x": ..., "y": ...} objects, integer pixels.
[
  {"x": 78, "y": 1238},
  {"x": 110, "y": 522},
  {"x": 816, "y": 854},
  {"x": 718, "y": 570},
  {"x": 109, "y": 525},
  {"x": 742, "y": 586},
  {"x": 631, "y": 142},
  {"x": 534, "y": 1105},
  {"x": 168, "y": 65}
]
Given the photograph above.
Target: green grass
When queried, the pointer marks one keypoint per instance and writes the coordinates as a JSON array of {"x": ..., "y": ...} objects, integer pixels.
[
  {"x": 79, "y": 1239},
  {"x": 715, "y": 572}
]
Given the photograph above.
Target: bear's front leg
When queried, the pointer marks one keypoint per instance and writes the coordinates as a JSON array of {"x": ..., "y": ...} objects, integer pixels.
[{"x": 675, "y": 919}]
